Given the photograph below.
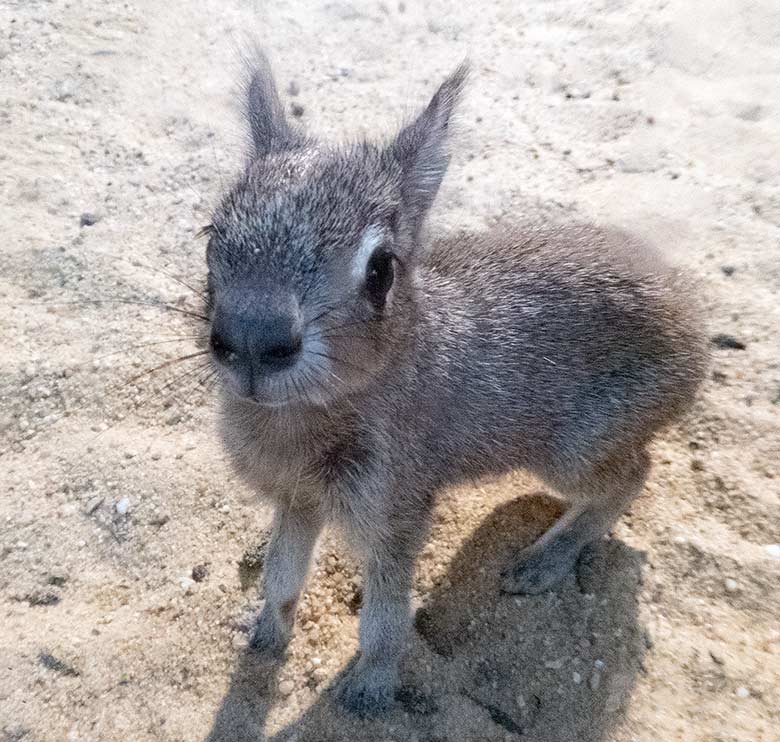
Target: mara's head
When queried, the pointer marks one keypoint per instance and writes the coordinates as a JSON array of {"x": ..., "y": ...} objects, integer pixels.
[{"x": 312, "y": 254}]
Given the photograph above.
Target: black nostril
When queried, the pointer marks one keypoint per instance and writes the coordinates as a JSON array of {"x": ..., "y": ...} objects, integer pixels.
[
  {"x": 219, "y": 346},
  {"x": 282, "y": 352}
]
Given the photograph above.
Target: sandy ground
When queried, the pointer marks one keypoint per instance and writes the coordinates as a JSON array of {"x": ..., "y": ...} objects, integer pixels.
[{"x": 662, "y": 117}]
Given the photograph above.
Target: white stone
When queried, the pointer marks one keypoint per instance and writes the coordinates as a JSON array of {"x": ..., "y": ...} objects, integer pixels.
[
  {"x": 773, "y": 550},
  {"x": 123, "y": 506},
  {"x": 240, "y": 640}
]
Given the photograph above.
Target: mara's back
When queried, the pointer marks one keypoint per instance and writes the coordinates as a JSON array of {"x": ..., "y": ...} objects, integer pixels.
[{"x": 562, "y": 342}]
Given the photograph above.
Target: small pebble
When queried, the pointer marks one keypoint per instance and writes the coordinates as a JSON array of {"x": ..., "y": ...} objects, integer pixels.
[
  {"x": 773, "y": 550},
  {"x": 87, "y": 219},
  {"x": 240, "y": 640},
  {"x": 731, "y": 586},
  {"x": 123, "y": 506},
  {"x": 577, "y": 678},
  {"x": 64, "y": 89},
  {"x": 42, "y": 598},
  {"x": 286, "y": 687},
  {"x": 93, "y": 504},
  {"x": 50, "y": 662},
  {"x": 728, "y": 270},
  {"x": 199, "y": 572},
  {"x": 742, "y": 692},
  {"x": 186, "y": 583},
  {"x": 727, "y": 342},
  {"x": 576, "y": 91},
  {"x": 297, "y": 110}
]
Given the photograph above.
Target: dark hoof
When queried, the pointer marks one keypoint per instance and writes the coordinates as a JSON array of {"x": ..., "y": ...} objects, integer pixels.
[
  {"x": 267, "y": 638},
  {"x": 366, "y": 691}
]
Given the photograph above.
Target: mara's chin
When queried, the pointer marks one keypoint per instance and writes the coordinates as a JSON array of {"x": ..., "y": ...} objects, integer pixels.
[{"x": 269, "y": 401}]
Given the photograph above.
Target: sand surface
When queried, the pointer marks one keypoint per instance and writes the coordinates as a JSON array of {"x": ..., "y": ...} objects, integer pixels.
[{"x": 662, "y": 117}]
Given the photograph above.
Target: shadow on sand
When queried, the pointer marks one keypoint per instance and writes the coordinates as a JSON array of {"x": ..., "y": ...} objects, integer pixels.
[{"x": 483, "y": 665}]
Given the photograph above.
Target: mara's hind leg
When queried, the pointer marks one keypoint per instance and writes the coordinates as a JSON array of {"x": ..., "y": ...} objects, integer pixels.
[{"x": 598, "y": 499}]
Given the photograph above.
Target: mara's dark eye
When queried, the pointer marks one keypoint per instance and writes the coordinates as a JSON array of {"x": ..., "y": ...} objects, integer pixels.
[{"x": 379, "y": 276}]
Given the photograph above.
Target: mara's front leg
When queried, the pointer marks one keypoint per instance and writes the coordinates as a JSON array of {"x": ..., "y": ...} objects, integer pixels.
[
  {"x": 390, "y": 548},
  {"x": 287, "y": 560}
]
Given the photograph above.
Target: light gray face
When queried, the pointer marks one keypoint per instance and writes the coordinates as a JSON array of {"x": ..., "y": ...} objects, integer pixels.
[
  {"x": 300, "y": 298},
  {"x": 311, "y": 253}
]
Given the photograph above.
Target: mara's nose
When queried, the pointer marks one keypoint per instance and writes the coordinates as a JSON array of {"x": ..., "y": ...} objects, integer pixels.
[{"x": 268, "y": 339}]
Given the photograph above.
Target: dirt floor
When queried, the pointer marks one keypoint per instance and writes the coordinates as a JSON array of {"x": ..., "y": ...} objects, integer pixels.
[{"x": 128, "y": 550}]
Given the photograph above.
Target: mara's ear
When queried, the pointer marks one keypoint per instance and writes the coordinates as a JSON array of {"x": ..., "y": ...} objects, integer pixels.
[
  {"x": 268, "y": 125},
  {"x": 421, "y": 148}
]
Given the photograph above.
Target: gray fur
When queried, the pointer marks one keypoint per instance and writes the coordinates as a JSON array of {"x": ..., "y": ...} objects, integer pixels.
[{"x": 560, "y": 349}]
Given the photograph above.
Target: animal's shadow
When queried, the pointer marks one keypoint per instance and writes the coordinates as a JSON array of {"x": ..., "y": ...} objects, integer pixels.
[
  {"x": 242, "y": 713},
  {"x": 483, "y": 665}
]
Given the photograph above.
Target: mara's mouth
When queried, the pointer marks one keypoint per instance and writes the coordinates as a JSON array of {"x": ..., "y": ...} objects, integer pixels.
[
  {"x": 288, "y": 389},
  {"x": 271, "y": 404}
]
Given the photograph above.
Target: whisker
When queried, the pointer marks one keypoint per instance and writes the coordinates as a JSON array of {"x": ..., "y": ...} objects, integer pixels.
[
  {"x": 176, "y": 381},
  {"x": 137, "y": 302},
  {"x": 195, "y": 291},
  {"x": 319, "y": 383},
  {"x": 344, "y": 337},
  {"x": 182, "y": 339},
  {"x": 348, "y": 324},
  {"x": 167, "y": 364},
  {"x": 327, "y": 311},
  {"x": 298, "y": 390},
  {"x": 69, "y": 411},
  {"x": 342, "y": 361},
  {"x": 135, "y": 263},
  {"x": 207, "y": 379}
]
